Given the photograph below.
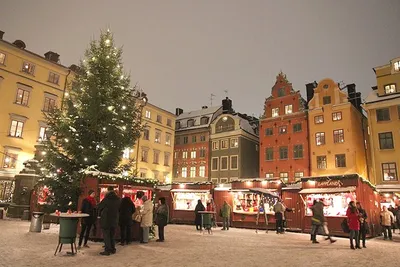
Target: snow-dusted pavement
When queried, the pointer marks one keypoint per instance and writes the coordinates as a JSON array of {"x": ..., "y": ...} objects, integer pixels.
[{"x": 186, "y": 247}]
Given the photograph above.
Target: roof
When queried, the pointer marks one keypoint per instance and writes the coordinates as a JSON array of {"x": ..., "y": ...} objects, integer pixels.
[
  {"x": 246, "y": 125},
  {"x": 328, "y": 190},
  {"x": 373, "y": 97},
  {"x": 164, "y": 110},
  {"x": 196, "y": 116},
  {"x": 295, "y": 186},
  {"x": 388, "y": 188},
  {"x": 270, "y": 192}
]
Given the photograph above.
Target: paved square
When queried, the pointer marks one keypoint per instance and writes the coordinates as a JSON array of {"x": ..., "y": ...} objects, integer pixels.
[{"x": 186, "y": 247}]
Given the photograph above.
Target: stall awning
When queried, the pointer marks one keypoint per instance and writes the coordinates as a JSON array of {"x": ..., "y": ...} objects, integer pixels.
[
  {"x": 191, "y": 190},
  {"x": 328, "y": 190},
  {"x": 271, "y": 192},
  {"x": 391, "y": 188}
]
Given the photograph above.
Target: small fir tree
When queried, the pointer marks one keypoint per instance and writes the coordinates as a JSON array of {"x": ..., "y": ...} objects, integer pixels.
[{"x": 98, "y": 119}]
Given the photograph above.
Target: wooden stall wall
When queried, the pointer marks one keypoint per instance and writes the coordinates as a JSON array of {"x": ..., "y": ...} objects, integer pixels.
[
  {"x": 292, "y": 200},
  {"x": 168, "y": 200},
  {"x": 219, "y": 197}
]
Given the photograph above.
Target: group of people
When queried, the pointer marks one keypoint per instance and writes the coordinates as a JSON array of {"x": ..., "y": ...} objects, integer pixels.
[
  {"x": 114, "y": 212},
  {"x": 224, "y": 212}
]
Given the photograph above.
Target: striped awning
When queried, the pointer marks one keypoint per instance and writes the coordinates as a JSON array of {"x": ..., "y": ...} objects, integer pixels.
[{"x": 328, "y": 190}]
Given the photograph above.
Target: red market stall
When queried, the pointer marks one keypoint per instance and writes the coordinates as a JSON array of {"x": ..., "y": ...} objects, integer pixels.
[
  {"x": 390, "y": 195},
  {"x": 222, "y": 193},
  {"x": 184, "y": 200},
  {"x": 336, "y": 192},
  {"x": 292, "y": 199}
]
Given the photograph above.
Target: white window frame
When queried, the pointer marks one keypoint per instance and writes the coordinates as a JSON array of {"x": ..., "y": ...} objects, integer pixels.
[
  {"x": 223, "y": 180},
  {"x": 192, "y": 171},
  {"x": 184, "y": 173},
  {"x": 9, "y": 155},
  {"x": 54, "y": 78},
  {"x": 144, "y": 152},
  {"x": 168, "y": 138},
  {"x": 237, "y": 162},
  {"x": 275, "y": 112},
  {"x": 20, "y": 123},
  {"x": 226, "y": 142},
  {"x": 269, "y": 175},
  {"x": 288, "y": 109},
  {"x": 234, "y": 142},
  {"x": 193, "y": 154},
  {"x": 3, "y": 57},
  {"x": 157, "y": 140},
  {"x": 396, "y": 65},
  {"x": 212, "y": 163},
  {"x": 148, "y": 114},
  {"x": 215, "y": 145},
  {"x": 52, "y": 102},
  {"x": 156, "y": 156},
  {"x": 227, "y": 163},
  {"x": 390, "y": 89},
  {"x": 202, "y": 171},
  {"x": 126, "y": 153},
  {"x": 167, "y": 157},
  {"x": 25, "y": 89},
  {"x": 28, "y": 68},
  {"x": 184, "y": 154}
]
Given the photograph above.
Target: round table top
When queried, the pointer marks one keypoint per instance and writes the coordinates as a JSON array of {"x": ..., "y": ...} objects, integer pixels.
[
  {"x": 70, "y": 215},
  {"x": 207, "y": 212}
]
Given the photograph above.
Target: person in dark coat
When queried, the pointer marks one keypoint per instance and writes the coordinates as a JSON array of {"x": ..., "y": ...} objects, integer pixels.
[
  {"x": 162, "y": 217},
  {"x": 109, "y": 211},
  {"x": 317, "y": 219},
  {"x": 363, "y": 224},
  {"x": 88, "y": 207},
  {"x": 126, "y": 210},
  {"x": 199, "y": 207}
]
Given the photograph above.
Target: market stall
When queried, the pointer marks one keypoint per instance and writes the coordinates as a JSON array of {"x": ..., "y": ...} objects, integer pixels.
[
  {"x": 336, "y": 192},
  {"x": 291, "y": 198},
  {"x": 222, "y": 192},
  {"x": 389, "y": 195}
]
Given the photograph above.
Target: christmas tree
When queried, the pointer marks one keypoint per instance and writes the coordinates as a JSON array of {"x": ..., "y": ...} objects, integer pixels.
[{"x": 99, "y": 118}]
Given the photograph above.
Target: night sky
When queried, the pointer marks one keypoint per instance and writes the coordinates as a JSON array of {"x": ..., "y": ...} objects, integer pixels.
[{"x": 181, "y": 52}]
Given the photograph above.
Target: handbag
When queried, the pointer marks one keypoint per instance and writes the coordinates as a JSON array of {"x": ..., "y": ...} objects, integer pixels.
[
  {"x": 137, "y": 217},
  {"x": 345, "y": 226}
]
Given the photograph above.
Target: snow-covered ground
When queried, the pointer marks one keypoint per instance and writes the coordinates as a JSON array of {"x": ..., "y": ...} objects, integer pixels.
[{"x": 184, "y": 246}]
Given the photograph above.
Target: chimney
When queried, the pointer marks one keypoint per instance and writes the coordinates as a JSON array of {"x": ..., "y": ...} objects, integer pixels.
[
  {"x": 351, "y": 93},
  {"x": 1, "y": 35},
  {"x": 310, "y": 90},
  {"x": 226, "y": 105},
  {"x": 75, "y": 68},
  {"x": 52, "y": 56},
  {"x": 20, "y": 44},
  {"x": 204, "y": 107},
  {"x": 178, "y": 111}
]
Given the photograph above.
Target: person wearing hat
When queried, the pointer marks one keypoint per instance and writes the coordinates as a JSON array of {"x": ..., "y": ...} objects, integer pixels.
[
  {"x": 88, "y": 207},
  {"x": 147, "y": 218}
]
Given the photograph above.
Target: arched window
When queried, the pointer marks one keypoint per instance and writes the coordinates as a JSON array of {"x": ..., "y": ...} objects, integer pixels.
[{"x": 225, "y": 124}]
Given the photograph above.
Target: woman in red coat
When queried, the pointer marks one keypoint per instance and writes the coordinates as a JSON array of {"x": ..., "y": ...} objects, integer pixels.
[{"x": 354, "y": 224}]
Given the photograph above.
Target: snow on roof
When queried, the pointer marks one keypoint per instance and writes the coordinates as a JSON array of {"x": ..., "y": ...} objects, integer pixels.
[
  {"x": 246, "y": 126},
  {"x": 196, "y": 116},
  {"x": 373, "y": 97}
]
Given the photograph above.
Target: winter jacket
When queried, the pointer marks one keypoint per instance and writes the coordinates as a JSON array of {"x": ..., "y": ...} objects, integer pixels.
[
  {"x": 279, "y": 208},
  {"x": 88, "y": 208},
  {"x": 397, "y": 216},
  {"x": 387, "y": 218},
  {"x": 126, "y": 210},
  {"x": 353, "y": 219},
  {"x": 147, "y": 214},
  {"x": 226, "y": 210},
  {"x": 108, "y": 209},
  {"x": 162, "y": 215},
  {"x": 199, "y": 207},
  {"x": 318, "y": 217},
  {"x": 362, "y": 217}
]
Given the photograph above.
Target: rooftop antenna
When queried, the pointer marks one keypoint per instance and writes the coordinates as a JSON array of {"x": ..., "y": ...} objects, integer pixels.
[{"x": 211, "y": 98}]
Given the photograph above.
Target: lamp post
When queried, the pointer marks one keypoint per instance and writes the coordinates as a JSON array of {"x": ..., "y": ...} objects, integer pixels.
[{"x": 142, "y": 98}]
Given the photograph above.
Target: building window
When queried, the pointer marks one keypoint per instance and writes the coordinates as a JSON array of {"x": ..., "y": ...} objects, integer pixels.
[
  {"x": 283, "y": 152},
  {"x": 386, "y": 140},
  {"x": 145, "y": 155},
  {"x": 320, "y": 139},
  {"x": 298, "y": 175},
  {"x": 194, "y": 139},
  {"x": 28, "y": 68},
  {"x": 177, "y": 140},
  {"x": 42, "y": 133},
  {"x": 169, "y": 122},
  {"x": 397, "y": 66},
  {"x": 176, "y": 154},
  {"x": 202, "y": 153},
  {"x": 275, "y": 112},
  {"x": 148, "y": 114},
  {"x": 155, "y": 174},
  {"x": 168, "y": 139},
  {"x": 234, "y": 162},
  {"x": 269, "y": 175},
  {"x": 202, "y": 138},
  {"x": 177, "y": 124},
  {"x": 190, "y": 123},
  {"x": 215, "y": 145},
  {"x": 157, "y": 137},
  {"x": 146, "y": 134},
  {"x": 22, "y": 97},
  {"x": 383, "y": 114},
  {"x": 337, "y": 116},
  {"x": 156, "y": 157},
  {"x": 298, "y": 151},
  {"x": 281, "y": 92},
  {"x": 143, "y": 174},
  {"x": 297, "y": 128},
  {"x": 284, "y": 176},
  {"x": 184, "y": 172},
  {"x": 340, "y": 160},
  {"x": 288, "y": 109},
  {"x": 54, "y": 78},
  {"x": 321, "y": 162},
  {"x": 10, "y": 160},
  {"x": 2, "y": 58},
  {"x": 185, "y": 140},
  {"x": 193, "y": 154},
  {"x": 166, "y": 158},
  {"x": 269, "y": 153},
  {"x": 224, "y": 163},
  {"x": 214, "y": 164},
  {"x": 319, "y": 119},
  {"x": 338, "y": 136},
  {"x": 283, "y": 130},
  {"x": 390, "y": 89},
  {"x": 184, "y": 154},
  {"x": 159, "y": 118},
  {"x": 269, "y": 131},
  {"x": 16, "y": 128},
  {"x": 326, "y": 100},
  {"x": 204, "y": 120},
  {"x": 192, "y": 171},
  {"x": 224, "y": 144},
  {"x": 126, "y": 154},
  {"x": 49, "y": 104},
  {"x": 234, "y": 143},
  {"x": 389, "y": 171},
  {"x": 202, "y": 171}
]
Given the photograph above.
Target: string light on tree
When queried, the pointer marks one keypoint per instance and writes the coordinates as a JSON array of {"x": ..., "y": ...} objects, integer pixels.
[{"x": 123, "y": 107}]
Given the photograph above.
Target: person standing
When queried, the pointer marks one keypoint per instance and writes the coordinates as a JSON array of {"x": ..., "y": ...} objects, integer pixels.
[
  {"x": 88, "y": 207},
  {"x": 197, "y": 220},
  {"x": 397, "y": 216},
  {"x": 363, "y": 224},
  {"x": 317, "y": 219},
  {"x": 387, "y": 219},
  {"x": 393, "y": 211},
  {"x": 126, "y": 210},
  {"x": 108, "y": 209},
  {"x": 147, "y": 218},
  {"x": 279, "y": 210},
  {"x": 225, "y": 212},
  {"x": 162, "y": 218},
  {"x": 353, "y": 219}
]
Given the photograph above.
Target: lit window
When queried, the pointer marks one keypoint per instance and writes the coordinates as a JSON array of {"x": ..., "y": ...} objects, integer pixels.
[
  {"x": 321, "y": 162},
  {"x": 320, "y": 139},
  {"x": 338, "y": 136},
  {"x": 54, "y": 78},
  {"x": 166, "y": 158},
  {"x": 148, "y": 114},
  {"x": 176, "y": 154},
  {"x": 202, "y": 171},
  {"x": 215, "y": 145},
  {"x": 275, "y": 112},
  {"x": 2, "y": 58},
  {"x": 224, "y": 163},
  {"x": 284, "y": 176},
  {"x": 319, "y": 119},
  {"x": 386, "y": 140},
  {"x": 383, "y": 114},
  {"x": 234, "y": 142},
  {"x": 22, "y": 97},
  {"x": 28, "y": 68},
  {"x": 146, "y": 134},
  {"x": 49, "y": 104},
  {"x": 157, "y": 137},
  {"x": 145, "y": 155},
  {"x": 340, "y": 160},
  {"x": 184, "y": 154},
  {"x": 192, "y": 172},
  {"x": 224, "y": 144},
  {"x": 298, "y": 175},
  {"x": 156, "y": 157},
  {"x": 283, "y": 130},
  {"x": 337, "y": 116},
  {"x": 184, "y": 172},
  {"x": 397, "y": 66},
  {"x": 234, "y": 162},
  {"x": 168, "y": 139},
  {"x": 42, "y": 133},
  {"x": 159, "y": 119},
  {"x": 10, "y": 161},
  {"x": 269, "y": 175},
  {"x": 288, "y": 109},
  {"x": 193, "y": 154},
  {"x": 142, "y": 174},
  {"x": 390, "y": 89},
  {"x": 126, "y": 153},
  {"x": 389, "y": 171},
  {"x": 214, "y": 164},
  {"x": 16, "y": 128}
]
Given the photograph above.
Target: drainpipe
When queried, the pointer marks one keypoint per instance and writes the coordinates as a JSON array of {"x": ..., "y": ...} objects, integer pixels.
[
  {"x": 65, "y": 89},
  {"x": 365, "y": 148}
]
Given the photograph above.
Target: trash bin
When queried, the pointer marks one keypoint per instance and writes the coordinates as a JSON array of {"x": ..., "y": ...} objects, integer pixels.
[{"x": 36, "y": 222}]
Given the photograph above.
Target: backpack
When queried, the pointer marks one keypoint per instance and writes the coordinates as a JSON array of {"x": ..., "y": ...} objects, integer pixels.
[{"x": 345, "y": 226}]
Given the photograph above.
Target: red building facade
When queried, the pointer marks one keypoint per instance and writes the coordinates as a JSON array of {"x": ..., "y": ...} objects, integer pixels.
[{"x": 284, "y": 148}]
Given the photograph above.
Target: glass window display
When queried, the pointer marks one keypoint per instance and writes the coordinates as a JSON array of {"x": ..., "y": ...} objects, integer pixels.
[
  {"x": 335, "y": 204},
  {"x": 103, "y": 190},
  {"x": 188, "y": 200},
  {"x": 131, "y": 192},
  {"x": 247, "y": 202}
]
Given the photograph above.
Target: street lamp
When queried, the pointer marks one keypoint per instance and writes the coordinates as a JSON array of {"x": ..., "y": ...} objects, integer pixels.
[{"x": 142, "y": 99}]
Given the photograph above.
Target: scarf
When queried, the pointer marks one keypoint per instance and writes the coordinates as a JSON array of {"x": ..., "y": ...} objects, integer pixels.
[{"x": 92, "y": 201}]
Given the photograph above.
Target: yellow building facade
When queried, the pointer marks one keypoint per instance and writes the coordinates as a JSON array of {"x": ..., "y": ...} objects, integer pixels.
[
  {"x": 337, "y": 131},
  {"x": 30, "y": 84},
  {"x": 383, "y": 108},
  {"x": 153, "y": 151}
]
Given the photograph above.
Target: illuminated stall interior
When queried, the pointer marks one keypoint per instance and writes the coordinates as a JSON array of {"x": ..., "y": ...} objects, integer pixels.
[
  {"x": 104, "y": 188},
  {"x": 132, "y": 192},
  {"x": 246, "y": 201},
  {"x": 186, "y": 199}
]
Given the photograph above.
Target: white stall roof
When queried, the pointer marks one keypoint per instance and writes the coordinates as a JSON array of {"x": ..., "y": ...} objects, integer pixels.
[{"x": 328, "y": 190}]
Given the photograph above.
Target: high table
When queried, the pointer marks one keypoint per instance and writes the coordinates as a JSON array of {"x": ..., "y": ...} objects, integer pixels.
[
  {"x": 68, "y": 228},
  {"x": 206, "y": 220}
]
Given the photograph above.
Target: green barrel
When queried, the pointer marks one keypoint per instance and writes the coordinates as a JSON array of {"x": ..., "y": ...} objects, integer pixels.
[
  {"x": 206, "y": 219},
  {"x": 68, "y": 227}
]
